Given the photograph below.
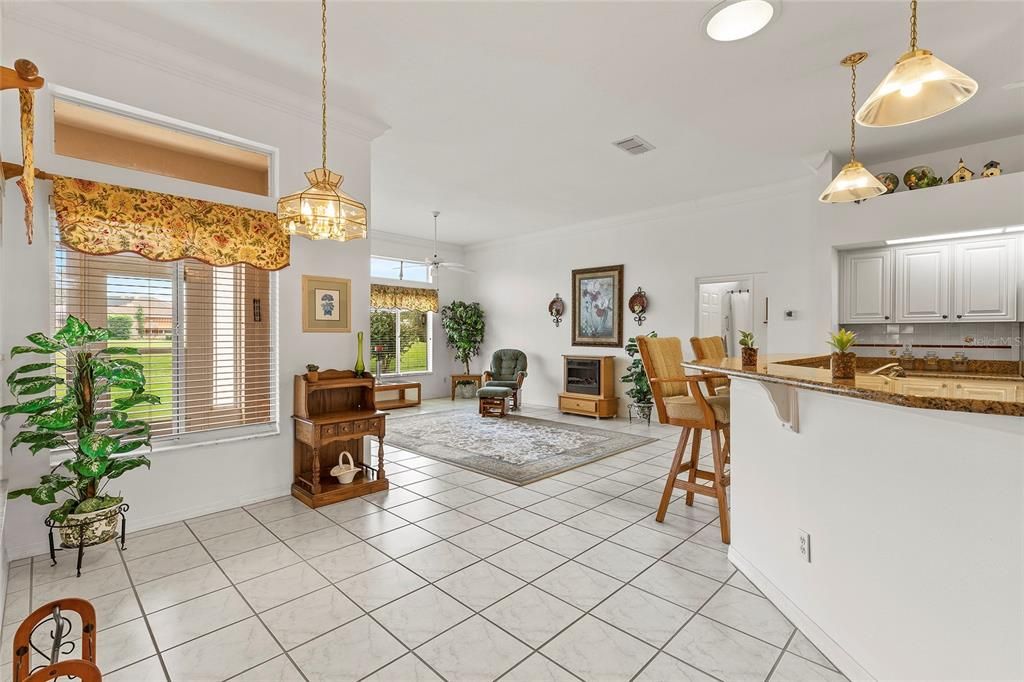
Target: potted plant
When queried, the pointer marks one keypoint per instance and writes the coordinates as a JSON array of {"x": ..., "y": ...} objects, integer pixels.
[
  {"x": 748, "y": 351},
  {"x": 312, "y": 372},
  {"x": 640, "y": 391},
  {"x": 844, "y": 363},
  {"x": 463, "y": 325},
  {"x": 88, "y": 413}
]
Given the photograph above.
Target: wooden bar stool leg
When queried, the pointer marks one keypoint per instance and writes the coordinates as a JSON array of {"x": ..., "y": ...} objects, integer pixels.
[
  {"x": 723, "y": 500},
  {"x": 728, "y": 444},
  {"x": 694, "y": 459},
  {"x": 673, "y": 473}
]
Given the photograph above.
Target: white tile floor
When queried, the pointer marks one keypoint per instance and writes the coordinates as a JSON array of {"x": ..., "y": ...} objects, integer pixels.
[{"x": 449, "y": 575}]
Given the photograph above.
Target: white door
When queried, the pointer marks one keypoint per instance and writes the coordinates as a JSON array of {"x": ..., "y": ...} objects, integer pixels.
[
  {"x": 713, "y": 300},
  {"x": 986, "y": 390},
  {"x": 985, "y": 280},
  {"x": 867, "y": 286},
  {"x": 922, "y": 283}
]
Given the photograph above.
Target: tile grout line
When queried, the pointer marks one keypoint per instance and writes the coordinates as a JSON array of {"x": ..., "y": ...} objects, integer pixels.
[{"x": 145, "y": 618}]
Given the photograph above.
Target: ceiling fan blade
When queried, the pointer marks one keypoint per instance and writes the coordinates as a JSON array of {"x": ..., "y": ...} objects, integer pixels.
[
  {"x": 461, "y": 269},
  {"x": 450, "y": 264}
]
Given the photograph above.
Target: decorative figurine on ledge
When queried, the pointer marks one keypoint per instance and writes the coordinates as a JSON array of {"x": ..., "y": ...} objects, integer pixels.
[
  {"x": 312, "y": 372},
  {"x": 638, "y": 306},
  {"x": 962, "y": 174},
  {"x": 991, "y": 170},
  {"x": 556, "y": 309}
]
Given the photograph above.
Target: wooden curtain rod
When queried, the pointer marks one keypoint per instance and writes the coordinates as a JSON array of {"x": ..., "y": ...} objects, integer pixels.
[
  {"x": 24, "y": 76},
  {"x": 15, "y": 170}
]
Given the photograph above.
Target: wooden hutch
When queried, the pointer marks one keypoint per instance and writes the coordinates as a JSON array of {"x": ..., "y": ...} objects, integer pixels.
[
  {"x": 588, "y": 386},
  {"x": 332, "y": 415}
]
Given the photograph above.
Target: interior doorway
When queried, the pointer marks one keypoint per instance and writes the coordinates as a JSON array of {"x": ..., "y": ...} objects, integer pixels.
[{"x": 725, "y": 306}]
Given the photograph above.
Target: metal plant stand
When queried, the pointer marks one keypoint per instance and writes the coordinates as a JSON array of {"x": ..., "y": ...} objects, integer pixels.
[{"x": 51, "y": 524}]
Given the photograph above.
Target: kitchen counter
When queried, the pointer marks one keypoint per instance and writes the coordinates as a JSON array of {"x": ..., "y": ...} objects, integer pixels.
[{"x": 989, "y": 393}]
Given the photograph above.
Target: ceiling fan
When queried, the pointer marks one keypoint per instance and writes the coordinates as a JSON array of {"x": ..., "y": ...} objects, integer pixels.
[{"x": 435, "y": 261}]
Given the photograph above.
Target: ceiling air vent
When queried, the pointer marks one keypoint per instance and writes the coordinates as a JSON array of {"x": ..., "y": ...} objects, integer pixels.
[{"x": 634, "y": 144}]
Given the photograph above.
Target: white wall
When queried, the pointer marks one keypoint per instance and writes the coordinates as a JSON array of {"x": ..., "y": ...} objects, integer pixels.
[
  {"x": 451, "y": 286},
  {"x": 75, "y": 52}
]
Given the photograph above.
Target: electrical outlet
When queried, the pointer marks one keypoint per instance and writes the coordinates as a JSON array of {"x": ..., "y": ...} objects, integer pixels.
[{"x": 805, "y": 545}]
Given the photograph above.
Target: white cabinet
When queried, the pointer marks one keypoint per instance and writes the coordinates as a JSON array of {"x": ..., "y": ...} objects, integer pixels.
[
  {"x": 922, "y": 283},
  {"x": 985, "y": 280},
  {"x": 985, "y": 390},
  {"x": 925, "y": 386},
  {"x": 867, "y": 286}
]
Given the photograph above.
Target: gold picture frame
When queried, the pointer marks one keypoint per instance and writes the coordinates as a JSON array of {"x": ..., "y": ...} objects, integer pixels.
[
  {"x": 597, "y": 306},
  {"x": 326, "y": 304}
]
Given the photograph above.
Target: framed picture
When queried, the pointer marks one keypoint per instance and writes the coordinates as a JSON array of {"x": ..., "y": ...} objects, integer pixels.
[
  {"x": 597, "y": 306},
  {"x": 326, "y": 304}
]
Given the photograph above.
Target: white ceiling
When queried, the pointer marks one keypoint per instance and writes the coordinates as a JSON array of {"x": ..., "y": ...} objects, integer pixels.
[{"x": 502, "y": 114}]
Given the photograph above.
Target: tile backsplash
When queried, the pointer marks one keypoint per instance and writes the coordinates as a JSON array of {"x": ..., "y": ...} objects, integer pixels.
[{"x": 978, "y": 340}]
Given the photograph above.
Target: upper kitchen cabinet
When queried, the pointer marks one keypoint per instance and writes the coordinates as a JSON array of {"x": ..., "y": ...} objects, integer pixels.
[
  {"x": 922, "y": 283},
  {"x": 985, "y": 280},
  {"x": 866, "y": 286}
]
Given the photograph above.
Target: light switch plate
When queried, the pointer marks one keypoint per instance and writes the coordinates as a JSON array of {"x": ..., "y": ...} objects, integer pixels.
[{"x": 805, "y": 545}]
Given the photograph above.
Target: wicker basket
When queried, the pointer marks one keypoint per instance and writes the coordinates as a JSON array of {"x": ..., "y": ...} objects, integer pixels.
[{"x": 345, "y": 472}]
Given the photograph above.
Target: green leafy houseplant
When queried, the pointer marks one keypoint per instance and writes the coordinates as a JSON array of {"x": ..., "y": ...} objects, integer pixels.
[
  {"x": 640, "y": 391},
  {"x": 99, "y": 432},
  {"x": 748, "y": 351},
  {"x": 463, "y": 324},
  {"x": 844, "y": 363}
]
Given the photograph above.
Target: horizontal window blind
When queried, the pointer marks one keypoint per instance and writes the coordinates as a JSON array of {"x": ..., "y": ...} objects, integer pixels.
[
  {"x": 205, "y": 334},
  {"x": 400, "y": 341}
]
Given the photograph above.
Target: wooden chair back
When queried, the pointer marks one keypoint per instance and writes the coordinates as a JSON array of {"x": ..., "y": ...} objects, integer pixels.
[
  {"x": 663, "y": 360},
  {"x": 708, "y": 347},
  {"x": 55, "y": 610}
]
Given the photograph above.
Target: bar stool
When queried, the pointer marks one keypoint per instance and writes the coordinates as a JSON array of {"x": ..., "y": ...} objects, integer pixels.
[
  {"x": 711, "y": 348},
  {"x": 680, "y": 402}
]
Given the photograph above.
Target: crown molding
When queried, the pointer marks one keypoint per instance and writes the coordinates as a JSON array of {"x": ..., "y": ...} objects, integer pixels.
[
  {"x": 71, "y": 25},
  {"x": 415, "y": 242}
]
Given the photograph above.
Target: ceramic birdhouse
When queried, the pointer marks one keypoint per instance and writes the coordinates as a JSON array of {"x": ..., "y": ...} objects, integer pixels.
[
  {"x": 991, "y": 170},
  {"x": 962, "y": 174}
]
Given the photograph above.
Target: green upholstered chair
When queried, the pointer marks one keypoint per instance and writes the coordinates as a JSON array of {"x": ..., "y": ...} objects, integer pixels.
[{"x": 508, "y": 370}]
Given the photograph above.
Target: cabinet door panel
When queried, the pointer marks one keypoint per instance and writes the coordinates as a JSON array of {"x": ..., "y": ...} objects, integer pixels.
[
  {"x": 924, "y": 386},
  {"x": 922, "y": 283},
  {"x": 986, "y": 390},
  {"x": 985, "y": 280},
  {"x": 867, "y": 287}
]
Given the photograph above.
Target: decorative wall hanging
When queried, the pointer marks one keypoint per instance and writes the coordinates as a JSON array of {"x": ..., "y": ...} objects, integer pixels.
[
  {"x": 854, "y": 182},
  {"x": 322, "y": 210},
  {"x": 991, "y": 170},
  {"x": 556, "y": 309},
  {"x": 962, "y": 174},
  {"x": 890, "y": 180},
  {"x": 920, "y": 177},
  {"x": 25, "y": 77},
  {"x": 102, "y": 219},
  {"x": 597, "y": 306},
  {"x": 326, "y": 304},
  {"x": 638, "y": 306},
  {"x": 403, "y": 298}
]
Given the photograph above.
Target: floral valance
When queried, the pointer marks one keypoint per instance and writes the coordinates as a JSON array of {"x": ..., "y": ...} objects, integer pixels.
[
  {"x": 102, "y": 219},
  {"x": 403, "y": 298}
]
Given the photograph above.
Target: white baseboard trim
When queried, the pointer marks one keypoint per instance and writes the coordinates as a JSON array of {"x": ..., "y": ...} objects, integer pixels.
[
  {"x": 819, "y": 638},
  {"x": 136, "y": 524}
]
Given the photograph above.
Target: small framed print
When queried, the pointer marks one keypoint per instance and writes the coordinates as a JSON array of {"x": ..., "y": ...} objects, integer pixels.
[{"x": 326, "y": 304}]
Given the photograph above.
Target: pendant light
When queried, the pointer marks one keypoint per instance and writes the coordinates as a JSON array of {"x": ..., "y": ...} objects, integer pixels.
[
  {"x": 322, "y": 210},
  {"x": 920, "y": 86},
  {"x": 854, "y": 182}
]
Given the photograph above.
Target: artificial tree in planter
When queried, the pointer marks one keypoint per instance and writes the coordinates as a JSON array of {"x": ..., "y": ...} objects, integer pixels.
[
  {"x": 748, "y": 351},
  {"x": 640, "y": 391},
  {"x": 96, "y": 430},
  {"x": 844, "y": 363},
  {"x": 463, "y": 324}
]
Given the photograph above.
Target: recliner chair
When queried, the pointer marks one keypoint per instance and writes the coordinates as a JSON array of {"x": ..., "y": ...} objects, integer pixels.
[{"x": 508, "y": 370}]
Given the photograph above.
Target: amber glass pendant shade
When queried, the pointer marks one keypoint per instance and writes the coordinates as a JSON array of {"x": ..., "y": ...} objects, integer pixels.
[
  {"x": 322, "y": 210},
  {"x": 920, "y": 86},
  {"x": 853, "y": 183}
]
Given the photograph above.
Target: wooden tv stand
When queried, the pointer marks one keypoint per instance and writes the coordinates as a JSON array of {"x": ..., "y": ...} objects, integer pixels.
[
  {"x": 332, "y": 415},
  {"x": 589, "y": 386}
]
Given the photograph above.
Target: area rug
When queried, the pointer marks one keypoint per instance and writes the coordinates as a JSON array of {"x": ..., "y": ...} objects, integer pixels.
[{"x": 515, "y": 449}]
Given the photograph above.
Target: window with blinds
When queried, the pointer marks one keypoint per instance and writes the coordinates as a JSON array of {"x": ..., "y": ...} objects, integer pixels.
[
  {"x": 400, "y": 341},
  {"x": 206, "y": 334}
]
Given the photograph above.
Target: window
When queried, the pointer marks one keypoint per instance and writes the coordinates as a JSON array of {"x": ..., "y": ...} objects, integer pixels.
[
  {"x": 94, "y": 129},
  {"x": 206, "y": 334},
  {"x": 396, "y": 268},
  {"x": 400, "y": 341}
]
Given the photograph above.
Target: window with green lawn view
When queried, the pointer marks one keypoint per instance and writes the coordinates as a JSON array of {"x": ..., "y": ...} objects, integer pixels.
[
  {"x": 205, "y": 334},
  {"x": 400, "y": 341}
]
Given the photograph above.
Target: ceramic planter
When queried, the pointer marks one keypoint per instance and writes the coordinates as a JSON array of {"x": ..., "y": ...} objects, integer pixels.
[
  {"x": 312, "y": 376},
  {"x": 844, "y": 365},
  {"x": 748, "y": 356},
  {"x": 91, "y": 528},
  {"x": 466, "y": 391},
  {"x": 643, "y": 410}
]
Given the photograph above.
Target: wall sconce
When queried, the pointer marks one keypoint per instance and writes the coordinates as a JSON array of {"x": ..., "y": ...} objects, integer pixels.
[
  {"x": 556, "y": 308},
  {"x": 638, "y": 306}
]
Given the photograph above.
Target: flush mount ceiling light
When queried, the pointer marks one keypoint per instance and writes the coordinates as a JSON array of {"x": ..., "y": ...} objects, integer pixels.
[
  {"x": 322, "y": 210},
  {"x": 738, "y": 19},
  {"x": 920, "y": 86},
  {"x": 854, "y": 182}
]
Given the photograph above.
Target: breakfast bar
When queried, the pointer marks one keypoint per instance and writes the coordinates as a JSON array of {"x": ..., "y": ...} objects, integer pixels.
[{"x": 884, "y": 515}]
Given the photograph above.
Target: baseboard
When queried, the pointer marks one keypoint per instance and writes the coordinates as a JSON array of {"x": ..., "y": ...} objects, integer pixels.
[
  {"x": 819, "y": 638},
  {"x": 137, "y": 524}
]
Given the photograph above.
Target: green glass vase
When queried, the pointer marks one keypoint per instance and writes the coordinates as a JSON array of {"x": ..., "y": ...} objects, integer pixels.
[{"x": 360, "y": 367}]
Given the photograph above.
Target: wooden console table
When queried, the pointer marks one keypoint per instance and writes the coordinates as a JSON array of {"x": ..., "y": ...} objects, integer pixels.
[
  {"x": 401, "y": 389},
  {"x": 332, "y": 415},
  {"x": 456, "y": 378}
]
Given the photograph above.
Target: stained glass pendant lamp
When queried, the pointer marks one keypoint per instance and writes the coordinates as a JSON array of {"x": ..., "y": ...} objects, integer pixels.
[
  {"x": 322, "y": 210},
  {"x": 854, "y": 182},
  {"x": 919, "y": 86}
]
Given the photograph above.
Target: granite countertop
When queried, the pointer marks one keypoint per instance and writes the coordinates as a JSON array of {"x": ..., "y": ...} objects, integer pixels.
[{"x": 810, "y": 372}]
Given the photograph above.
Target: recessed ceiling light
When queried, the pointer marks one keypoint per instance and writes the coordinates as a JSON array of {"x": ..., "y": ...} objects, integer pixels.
[{"x": 738, "y": 19}]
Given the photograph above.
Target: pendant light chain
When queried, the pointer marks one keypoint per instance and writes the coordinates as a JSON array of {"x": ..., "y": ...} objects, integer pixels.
[
  {"x": 913, "y": 25},
  {"x": 323, "y": 81},
  {"x": 853, "y": 112}
]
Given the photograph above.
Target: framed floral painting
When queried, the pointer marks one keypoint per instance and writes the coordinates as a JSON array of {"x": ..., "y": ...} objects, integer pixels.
[
  {"x": 597, "y": 306},
  {"x": 326, "y": 304}
]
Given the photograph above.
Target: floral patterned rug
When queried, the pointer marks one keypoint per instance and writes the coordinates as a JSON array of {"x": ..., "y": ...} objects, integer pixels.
[{"x": 514, "y": 449}]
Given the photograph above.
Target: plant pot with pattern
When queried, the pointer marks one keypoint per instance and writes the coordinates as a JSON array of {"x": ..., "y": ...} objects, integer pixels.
[
  {"x": 748, "y": 351},
  {"x": 465, "y": 390},
  {"x": 640, "y": 391},
  {"x": 843, "y": 362}
]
